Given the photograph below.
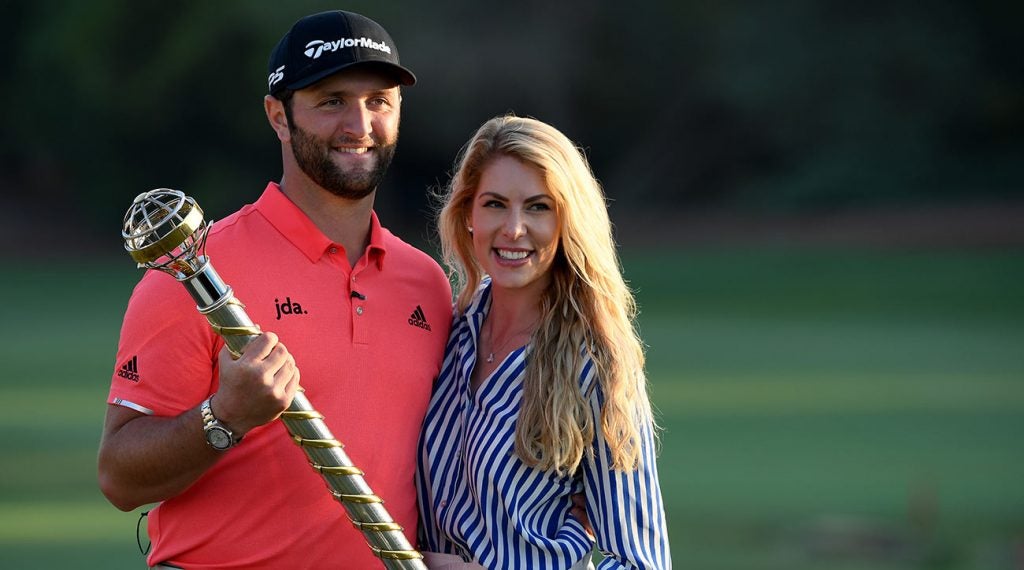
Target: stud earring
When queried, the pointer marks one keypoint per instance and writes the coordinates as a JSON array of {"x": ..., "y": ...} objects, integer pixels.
[{"x": 470, "y": 228}]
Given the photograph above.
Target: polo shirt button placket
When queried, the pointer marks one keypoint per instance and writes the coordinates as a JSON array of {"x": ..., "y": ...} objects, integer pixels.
[{"x": 359, "y": 310}]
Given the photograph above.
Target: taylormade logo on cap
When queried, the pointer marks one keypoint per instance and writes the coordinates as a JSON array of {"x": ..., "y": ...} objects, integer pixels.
[
  {"x": 316, "y": 47},
  {"x": 320, "y": 45}
]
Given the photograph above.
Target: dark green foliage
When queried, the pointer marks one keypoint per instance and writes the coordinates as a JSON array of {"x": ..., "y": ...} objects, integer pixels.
[{"x": 806, "y": 106}]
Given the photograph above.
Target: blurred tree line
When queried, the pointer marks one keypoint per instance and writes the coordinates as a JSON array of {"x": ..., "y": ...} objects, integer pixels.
[{"x": 795, "y": 106}]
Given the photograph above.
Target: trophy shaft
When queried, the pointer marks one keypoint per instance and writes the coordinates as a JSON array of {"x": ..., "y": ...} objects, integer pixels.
[
  {"x": 348, "y": 487},
  {"x": 215, "y": 299},
  {"x": 206, "y": 287}
]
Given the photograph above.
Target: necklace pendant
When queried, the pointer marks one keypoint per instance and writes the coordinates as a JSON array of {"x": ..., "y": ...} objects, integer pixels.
[{"x": 490, "y": 358}]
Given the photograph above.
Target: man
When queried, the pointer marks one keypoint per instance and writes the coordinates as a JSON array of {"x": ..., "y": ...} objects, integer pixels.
[{"x": 364, "y": 316}]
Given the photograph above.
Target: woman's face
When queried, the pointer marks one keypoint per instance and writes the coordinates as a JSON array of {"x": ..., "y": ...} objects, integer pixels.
[{"x": 515, "y": 225}]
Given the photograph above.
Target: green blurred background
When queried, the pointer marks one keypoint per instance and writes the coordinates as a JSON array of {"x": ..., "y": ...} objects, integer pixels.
[{"x": 819, "y": 203}]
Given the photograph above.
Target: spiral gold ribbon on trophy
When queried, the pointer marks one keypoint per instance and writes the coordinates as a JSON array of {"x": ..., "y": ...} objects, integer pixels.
[{"x": 164, "y": 230}]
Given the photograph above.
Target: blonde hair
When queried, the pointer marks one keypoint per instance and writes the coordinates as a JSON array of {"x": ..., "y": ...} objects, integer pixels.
[{"x": 587, "y": 308}]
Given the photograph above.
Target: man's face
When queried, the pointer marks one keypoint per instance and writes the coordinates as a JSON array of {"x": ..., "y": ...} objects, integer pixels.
[{"x": 344, "y": 130}]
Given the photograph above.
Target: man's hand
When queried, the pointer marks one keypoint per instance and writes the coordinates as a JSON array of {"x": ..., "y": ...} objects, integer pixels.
[{"x": 257, "y": 387}]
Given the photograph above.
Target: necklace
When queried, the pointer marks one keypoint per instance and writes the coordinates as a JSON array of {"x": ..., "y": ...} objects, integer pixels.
[{"x": 500, "y": 348}]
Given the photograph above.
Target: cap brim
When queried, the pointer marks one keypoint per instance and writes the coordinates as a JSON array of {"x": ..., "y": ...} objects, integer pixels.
[{"x": 402, "y": 75}]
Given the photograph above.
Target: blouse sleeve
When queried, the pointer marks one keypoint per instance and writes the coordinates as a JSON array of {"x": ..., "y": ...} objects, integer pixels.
[{"x": 625, "y": 507}]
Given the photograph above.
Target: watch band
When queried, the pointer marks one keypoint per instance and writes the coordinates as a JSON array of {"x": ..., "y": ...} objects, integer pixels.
[{"x": 218, "y": 436}]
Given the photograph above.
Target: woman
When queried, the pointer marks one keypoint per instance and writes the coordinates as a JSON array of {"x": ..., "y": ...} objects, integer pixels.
[{"x": 542, "y": 392}]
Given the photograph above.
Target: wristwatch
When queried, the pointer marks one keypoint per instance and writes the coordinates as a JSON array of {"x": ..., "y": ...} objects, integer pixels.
[{"x": 217, "y": 434}]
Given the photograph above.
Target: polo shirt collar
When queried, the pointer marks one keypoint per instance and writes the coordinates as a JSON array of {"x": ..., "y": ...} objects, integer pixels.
[{"x": 297, "y": 228}]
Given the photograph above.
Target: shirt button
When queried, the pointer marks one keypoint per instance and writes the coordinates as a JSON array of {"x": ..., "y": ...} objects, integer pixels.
[
  {"x": 359, "y": 310},
  {"x": 334, "y": 250},
  {"x": 353, "y": 278},
  {"x": 443, "y": 504}
]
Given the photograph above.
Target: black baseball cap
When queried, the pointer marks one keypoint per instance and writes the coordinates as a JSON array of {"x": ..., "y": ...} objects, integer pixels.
[{"x": 322, "y": 44}]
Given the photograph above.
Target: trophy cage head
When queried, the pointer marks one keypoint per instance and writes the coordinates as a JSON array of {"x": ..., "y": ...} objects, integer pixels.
[{"x": 164, "y": 229}]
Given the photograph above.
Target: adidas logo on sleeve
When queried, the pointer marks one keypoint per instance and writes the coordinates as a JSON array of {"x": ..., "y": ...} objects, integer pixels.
[
  {"x": 418, "y": 319},
  {"x": 130, "y": 369}
]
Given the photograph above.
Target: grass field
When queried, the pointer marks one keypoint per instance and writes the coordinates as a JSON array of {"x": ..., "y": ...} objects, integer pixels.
[{"x": 821, "y": 409}]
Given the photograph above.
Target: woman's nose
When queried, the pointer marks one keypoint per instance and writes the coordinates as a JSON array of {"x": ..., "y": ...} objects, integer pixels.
[{"x": 515, "y": 226}]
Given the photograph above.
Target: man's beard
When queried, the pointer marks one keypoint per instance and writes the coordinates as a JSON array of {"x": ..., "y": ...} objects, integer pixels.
[{"x": 314, "y": 158}]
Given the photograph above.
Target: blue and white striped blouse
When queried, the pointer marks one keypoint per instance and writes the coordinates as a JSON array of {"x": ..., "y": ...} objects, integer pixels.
[{"x": 479, "y": 501}]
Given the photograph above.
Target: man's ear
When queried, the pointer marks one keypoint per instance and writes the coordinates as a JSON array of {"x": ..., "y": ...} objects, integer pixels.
[{"x": 278, "y": 119}]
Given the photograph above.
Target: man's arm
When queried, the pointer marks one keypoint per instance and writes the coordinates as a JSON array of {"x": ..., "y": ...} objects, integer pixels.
[{"x": 144, "y": 459}]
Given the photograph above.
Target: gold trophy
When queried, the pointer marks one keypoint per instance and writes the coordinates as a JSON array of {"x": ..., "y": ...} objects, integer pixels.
[{"x": 164, "y": 230}]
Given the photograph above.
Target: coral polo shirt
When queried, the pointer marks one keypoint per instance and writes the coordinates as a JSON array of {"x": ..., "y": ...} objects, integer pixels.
[{"x": 368, "y": 341}]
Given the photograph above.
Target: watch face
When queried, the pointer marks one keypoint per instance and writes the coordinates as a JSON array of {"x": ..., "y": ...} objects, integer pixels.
[{"x": 218, "y": 438}]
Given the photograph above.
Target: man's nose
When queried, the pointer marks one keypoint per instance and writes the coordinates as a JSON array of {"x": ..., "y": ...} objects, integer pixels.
[{"x": 357, "y": 121}]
